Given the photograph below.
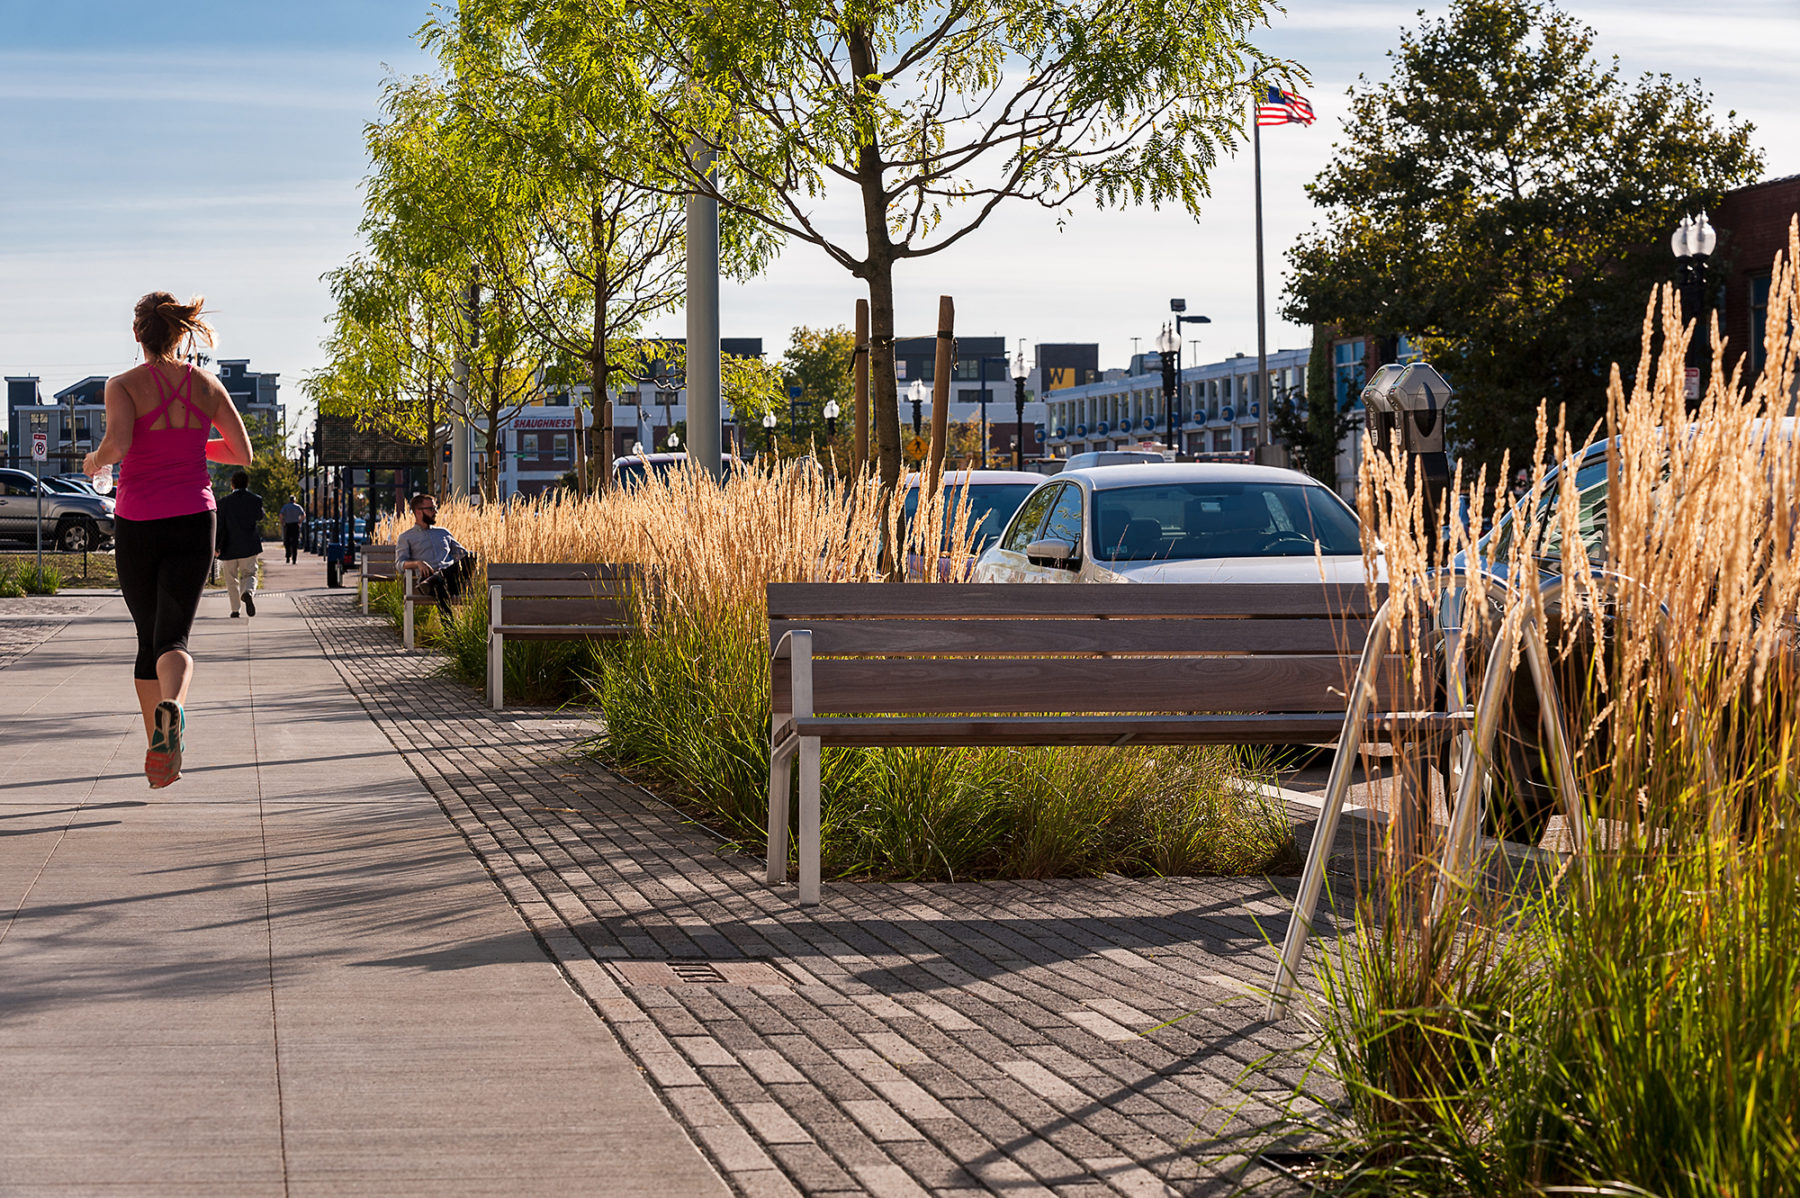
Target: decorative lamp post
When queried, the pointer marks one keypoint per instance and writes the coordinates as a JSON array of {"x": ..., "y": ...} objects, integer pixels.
[
  {"x": 831, "y": 415},
  {"x": 674, "y": 441},
  {"x": 1018, "y": 374},
  {"x": 768, "y": 423},
  {"x": 1693, "y": 242},
  {"x": 1168, "y": 348},
  {"x": 916, "y": 393}
]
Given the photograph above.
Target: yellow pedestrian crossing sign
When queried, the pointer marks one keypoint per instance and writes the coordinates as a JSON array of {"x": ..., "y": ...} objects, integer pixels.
[{"x": 916, "y": 447}]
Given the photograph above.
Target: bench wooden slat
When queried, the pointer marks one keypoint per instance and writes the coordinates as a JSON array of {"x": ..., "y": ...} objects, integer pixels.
[
  {"x": 1170, "y": 684},
  {"x": 1306, "y": 728},
  {"x": 801, "y": 601},
  {"x": 511, "y": 571},
  {"x": 564, "y": 612},
  {"x": 558, "y": 632},
  {"x": 571, "y": 588},
  {"x": 1085, "y": 636}
]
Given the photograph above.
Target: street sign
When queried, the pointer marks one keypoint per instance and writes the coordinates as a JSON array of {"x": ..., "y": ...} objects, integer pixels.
[
  {"x": 916, "y": 447},
  {"x": 1693, "y": 382},
  {"x": 40, "y": 447}
]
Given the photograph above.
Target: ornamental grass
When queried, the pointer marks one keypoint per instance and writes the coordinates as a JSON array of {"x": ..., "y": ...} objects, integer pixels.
[{"x": 1622, "y": 1019}]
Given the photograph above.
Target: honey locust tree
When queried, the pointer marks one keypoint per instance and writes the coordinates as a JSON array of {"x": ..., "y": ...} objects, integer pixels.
[
  {"x": 1505, "y": 200},
  {"x": 454, "y": 219},
  {"x": 612, "y": 248},
  {"x": 920, "y": 120}
]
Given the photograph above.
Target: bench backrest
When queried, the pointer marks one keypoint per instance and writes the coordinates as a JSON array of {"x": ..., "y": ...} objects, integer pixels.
[
  {"x": 588, "y": 594},
  {"x": 925, "y": 648},
  {"x": 378, "y": 562}
]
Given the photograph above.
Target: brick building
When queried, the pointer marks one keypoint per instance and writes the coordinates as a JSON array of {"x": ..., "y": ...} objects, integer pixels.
[{"x": 1753, "y": 228}]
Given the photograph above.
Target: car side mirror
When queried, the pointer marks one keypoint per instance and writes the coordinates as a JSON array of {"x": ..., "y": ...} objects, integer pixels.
[{"x": 1052, "y": 551}]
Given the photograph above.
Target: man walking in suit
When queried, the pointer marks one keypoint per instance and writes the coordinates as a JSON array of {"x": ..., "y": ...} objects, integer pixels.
[{"x": 240, "y": 542}]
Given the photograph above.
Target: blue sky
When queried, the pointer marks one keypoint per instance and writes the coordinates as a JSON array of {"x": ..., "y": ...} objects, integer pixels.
[{"x": 221, "y": 151}]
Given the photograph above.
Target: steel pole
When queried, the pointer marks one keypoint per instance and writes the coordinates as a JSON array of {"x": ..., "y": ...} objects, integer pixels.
[{"x": 1262, "y": 329}]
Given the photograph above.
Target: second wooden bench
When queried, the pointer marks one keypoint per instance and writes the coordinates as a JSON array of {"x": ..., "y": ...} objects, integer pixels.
[{"x": 556, "y": 601}]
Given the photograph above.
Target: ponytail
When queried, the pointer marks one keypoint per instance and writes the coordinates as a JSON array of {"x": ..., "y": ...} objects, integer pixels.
[{"x": 160, "y": 321}]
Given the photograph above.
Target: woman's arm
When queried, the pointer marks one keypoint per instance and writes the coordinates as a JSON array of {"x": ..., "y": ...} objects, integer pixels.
[
  {"x": 232, "y": 446},
  {"x": 121, "y": 415}
]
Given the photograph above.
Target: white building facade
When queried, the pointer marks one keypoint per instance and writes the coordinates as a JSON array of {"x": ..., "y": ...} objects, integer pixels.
[{"x": 1219, "y": 409}]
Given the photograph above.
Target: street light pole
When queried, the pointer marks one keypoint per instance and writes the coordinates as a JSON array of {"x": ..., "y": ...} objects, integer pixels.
[
  {"x": 1179, "y": 308},
  {"x": 1019, "y": 409},
  {"x": 916, "y": 393},
  {"x": 768, "y": 423},
  {"x": 1693, "y": 241},
  {"x": 1168, "y": 346}
]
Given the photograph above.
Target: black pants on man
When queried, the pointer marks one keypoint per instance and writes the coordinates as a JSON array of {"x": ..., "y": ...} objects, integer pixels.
[
  {"x": 448, "y": 583},
  {"x": 290, "y": 540}
]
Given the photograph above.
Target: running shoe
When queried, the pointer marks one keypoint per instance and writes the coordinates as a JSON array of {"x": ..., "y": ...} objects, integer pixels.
[
  {"x": 249, "y": 604},
  {"x": 168, "y": 724}
]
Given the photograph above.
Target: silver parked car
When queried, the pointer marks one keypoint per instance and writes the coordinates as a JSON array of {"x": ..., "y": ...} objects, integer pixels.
[
  {"x": 1179, "y": 522},
  {"x": 71, "y": 522}
]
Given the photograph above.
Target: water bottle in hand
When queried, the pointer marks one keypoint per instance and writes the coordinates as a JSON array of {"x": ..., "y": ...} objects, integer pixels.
[{"x": 103, "y": 480}]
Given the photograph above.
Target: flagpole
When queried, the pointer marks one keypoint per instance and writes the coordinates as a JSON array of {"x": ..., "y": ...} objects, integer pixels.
[{"x": 1262, "y": 342}]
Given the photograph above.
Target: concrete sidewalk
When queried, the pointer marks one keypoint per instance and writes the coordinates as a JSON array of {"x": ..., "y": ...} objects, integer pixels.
[{"x": 286, "y": 974}]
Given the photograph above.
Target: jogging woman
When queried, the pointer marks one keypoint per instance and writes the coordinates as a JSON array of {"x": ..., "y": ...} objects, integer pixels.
[{"x": 158, "y": 417}]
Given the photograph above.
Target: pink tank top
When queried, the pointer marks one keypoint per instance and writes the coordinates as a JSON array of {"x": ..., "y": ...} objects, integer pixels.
[{"x": 164, "y": 472}]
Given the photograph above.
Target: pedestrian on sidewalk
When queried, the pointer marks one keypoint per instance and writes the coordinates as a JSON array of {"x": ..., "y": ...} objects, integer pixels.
[
  {"x": 293, "y": 517},
  {"x": 441, "y": 563},
  {"x": 158, "y": 419},
  {"x": 240, "y": 542}
]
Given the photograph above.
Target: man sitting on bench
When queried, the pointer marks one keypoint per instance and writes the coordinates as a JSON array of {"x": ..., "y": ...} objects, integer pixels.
[{"x": 439, "y": 560}]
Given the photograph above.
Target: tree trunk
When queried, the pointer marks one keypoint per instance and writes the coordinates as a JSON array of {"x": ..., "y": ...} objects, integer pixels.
[
  {"x": 601, "y": 399},
  {"x": 877, "y": 269}
]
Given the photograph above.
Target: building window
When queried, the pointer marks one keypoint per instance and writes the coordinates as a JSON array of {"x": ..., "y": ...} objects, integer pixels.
[
  {"x": 528, "y": 445},
  {"x": 1759, "y": 321},
  {"x": 1347, "y": 372},
  {"x": 562, "y": 447},
  {"x": 1406, "y": 352}
]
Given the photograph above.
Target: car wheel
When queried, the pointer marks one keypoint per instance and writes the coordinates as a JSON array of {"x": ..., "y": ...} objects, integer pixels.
[{"x": 77, "y": 534}]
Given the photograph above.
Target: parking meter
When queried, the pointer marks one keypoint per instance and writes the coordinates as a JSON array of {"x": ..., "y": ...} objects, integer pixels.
[{"x": 1406, "y": 415}]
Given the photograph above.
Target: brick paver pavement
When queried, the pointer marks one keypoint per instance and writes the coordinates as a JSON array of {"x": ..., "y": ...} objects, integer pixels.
[{"x": 1007, "y": 1037}]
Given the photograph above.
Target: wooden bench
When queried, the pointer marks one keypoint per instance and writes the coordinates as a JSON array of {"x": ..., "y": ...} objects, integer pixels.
[
  {"x": 1041, "y": 664},
  {"x": 374, "y": 564},
  {"x": 556, "y": 601}
]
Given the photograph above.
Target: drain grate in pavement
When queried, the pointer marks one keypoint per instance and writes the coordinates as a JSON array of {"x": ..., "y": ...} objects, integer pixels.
[{"x": 697, "y": 973}]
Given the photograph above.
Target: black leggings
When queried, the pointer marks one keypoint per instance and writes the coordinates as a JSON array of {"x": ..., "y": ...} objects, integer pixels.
[{"x": 162, "y": 567}]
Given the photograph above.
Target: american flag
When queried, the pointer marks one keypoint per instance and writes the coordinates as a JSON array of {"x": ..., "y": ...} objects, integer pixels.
[{"x": 1280, "y": 107}]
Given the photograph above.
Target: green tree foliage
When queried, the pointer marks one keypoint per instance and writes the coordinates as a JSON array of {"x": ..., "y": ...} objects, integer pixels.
[
  {"x": 1310, "y": 422},
  {"x": 821, "y": 363},
  {"x": 1505, "y": 200},
  {"x": 918, "y": 122},
  {"x": 607, "y": 249},
  {"x": 446, "y": 218}
]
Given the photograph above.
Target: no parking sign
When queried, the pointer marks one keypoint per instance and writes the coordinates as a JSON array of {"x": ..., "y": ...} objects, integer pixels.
[{"x": 40, "y": 447}]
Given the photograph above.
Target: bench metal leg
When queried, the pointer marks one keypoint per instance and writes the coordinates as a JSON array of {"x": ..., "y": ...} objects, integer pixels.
[
  {"x": 406, "y": 623},
  {"x": 781, "y": 776},
  {"x": 809, "y": 821},
  {"x": 496, "y": 671},
  {"x": 1312, "y": 878},
  {"x": 363, "y": 584}
]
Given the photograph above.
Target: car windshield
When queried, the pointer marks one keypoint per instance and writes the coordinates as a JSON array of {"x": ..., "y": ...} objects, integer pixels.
[
  {"x": 1182, "y": 521},
  {"x": 1591, "y": 484},
  {"x": 990, "y": 506}
]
